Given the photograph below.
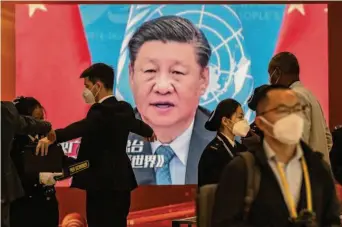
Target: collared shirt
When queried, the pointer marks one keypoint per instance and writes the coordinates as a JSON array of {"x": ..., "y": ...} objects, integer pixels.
[
  {"x": 104, "y": 98},
  {"x": 181, "y": 148},
  {"x": 293, "y": 171},
  {"x": 232, "y": 142}
]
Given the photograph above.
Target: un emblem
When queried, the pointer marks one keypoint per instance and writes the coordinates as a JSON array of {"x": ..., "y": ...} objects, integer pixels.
[{"x": 229, "y": 64}]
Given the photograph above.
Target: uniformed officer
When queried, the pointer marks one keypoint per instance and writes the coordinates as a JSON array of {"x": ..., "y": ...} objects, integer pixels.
[
  {"x": 39, "y": 206},
  {"x": 228, "y": 121}
]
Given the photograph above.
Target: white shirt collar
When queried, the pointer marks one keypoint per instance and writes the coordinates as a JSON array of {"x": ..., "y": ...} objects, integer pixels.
[
  {"x": 232, "y": 142},
  {"x": 180, "y": 145},
  {"x": 271, "y": 155},
  {"x": 104, "y": 98}
]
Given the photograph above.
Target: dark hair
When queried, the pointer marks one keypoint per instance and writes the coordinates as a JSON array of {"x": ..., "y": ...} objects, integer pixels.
[
  {"x": 253, "y": 100},
  {"x": 26, "y": 105},
  {"x": 226, "y": 108},
  {"x": 286, "y": 62},
  {"x": 100, "y": 72},
  {"x": 263, "y": 95},
  {"x": 170, "y": 28}
]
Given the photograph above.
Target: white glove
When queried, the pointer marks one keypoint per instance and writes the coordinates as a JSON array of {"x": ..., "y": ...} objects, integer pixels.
[{"x": 48, "y": 178}]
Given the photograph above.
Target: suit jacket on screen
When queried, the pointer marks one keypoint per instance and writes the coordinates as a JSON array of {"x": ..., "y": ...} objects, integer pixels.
[
  {"x": 104, "y": 134},
  {"x": 199, "y": 139}
]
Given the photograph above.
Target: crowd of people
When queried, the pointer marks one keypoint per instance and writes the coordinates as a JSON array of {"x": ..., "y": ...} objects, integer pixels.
[{"x": 289, "y": 142}]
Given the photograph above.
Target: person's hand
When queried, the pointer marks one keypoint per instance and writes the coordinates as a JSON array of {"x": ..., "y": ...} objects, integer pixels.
[
  {"x": 52, "y": 136},
  {"x": 152, "y": 138},
  {"x": 48, "y": 178},
  {"x": 43, "y": 146}
]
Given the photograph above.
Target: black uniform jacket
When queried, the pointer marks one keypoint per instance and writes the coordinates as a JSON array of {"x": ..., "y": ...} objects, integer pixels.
[
  {"x": 30, "y": 180},
  {"x": 104, "y": 134},
  {"x": 218, "y": 153}
]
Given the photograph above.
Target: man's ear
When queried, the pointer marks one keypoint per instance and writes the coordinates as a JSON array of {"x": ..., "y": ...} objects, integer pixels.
[{"x": 204, "y": 80}]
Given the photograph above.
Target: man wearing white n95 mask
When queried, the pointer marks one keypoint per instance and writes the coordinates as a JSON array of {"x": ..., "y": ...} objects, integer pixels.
[
  {"x": 295, "y": 185},
  {"x": 109, "y": 180}
]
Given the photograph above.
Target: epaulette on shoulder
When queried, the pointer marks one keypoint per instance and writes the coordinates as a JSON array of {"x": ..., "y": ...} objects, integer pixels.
[
  {"x": 216, "y": 145},
  {"x": 213, "y": 147}
]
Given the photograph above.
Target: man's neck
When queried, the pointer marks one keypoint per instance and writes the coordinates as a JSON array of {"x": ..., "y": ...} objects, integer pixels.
[
  {"x": 104, "y": 94},
  {"x": 283, "y": 152},
  {"x": 166, "y": 134}
]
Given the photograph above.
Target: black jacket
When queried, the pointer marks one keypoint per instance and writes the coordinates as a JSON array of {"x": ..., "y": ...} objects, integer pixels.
[
  {"x": 269, "y": 208},
  {"x": 104, "y": 134},
  {"x": 214, "y": 158},
  {"x": 11, "y": 124},
  {"x": 31, "y": 181}
]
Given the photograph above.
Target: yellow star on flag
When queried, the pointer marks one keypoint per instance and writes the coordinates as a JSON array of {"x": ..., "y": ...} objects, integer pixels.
[
  {"x": 34, "y": 7},
  {"x": 298, "y": 7}
]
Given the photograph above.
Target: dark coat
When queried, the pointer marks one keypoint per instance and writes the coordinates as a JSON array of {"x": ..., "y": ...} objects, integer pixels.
[
  {"x": 214, "y": 158},
  {"x": 269, "y": 208},
  {"x": 104, "y": 134},
  {"x": 11, "y": 124}
]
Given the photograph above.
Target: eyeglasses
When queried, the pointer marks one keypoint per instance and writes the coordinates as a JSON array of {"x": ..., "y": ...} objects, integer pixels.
[{"x": 286, "y": 110}]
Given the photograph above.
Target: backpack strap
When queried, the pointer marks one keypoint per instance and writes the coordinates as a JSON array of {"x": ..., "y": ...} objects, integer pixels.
[{"x": 253, "y": 181}]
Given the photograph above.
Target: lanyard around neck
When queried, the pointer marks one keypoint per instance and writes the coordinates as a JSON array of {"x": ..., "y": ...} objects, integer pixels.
[
  {"x": 288, "y": 196},
  {"x": 225, "y": 146}
]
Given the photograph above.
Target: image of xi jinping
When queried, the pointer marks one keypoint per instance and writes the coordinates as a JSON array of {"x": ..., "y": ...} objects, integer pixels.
[{"x": 168, "y": 73}]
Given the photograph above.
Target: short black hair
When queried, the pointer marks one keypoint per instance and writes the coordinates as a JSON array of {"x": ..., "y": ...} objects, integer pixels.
[
  {"x": 26, "y": 105},
  {"x": 263, "y": 95},
  {"x": 286, "y": 62},
  {"x": 100, "y": 72},
  {"x": 171, "y": 28},
  {"x": 253, "y": 100},
  {"x": 226, "y": 108}
]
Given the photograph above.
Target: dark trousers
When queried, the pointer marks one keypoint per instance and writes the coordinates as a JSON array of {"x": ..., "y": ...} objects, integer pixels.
[
  {"x": 108, "y": 208},
  {"x": 35, "y": 212}
]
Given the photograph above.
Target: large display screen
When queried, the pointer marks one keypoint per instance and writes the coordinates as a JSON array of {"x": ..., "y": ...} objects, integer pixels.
[{"x": 55, "y": 43}]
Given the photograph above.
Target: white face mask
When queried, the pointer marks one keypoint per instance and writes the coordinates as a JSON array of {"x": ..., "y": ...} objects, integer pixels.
[
  {"x": 241, "y": 128},
  {"x": 287, "y": 130},
  {"x": 88, "y": 95}
]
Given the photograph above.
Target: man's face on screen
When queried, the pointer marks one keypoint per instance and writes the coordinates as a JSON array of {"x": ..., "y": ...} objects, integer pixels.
[{"x": 167, "y": 82}]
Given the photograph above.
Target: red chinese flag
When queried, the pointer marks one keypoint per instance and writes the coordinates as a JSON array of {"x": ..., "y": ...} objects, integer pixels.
[
  {"x": 51, "y": 53},
  {"x": 304, "y": 32}
]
